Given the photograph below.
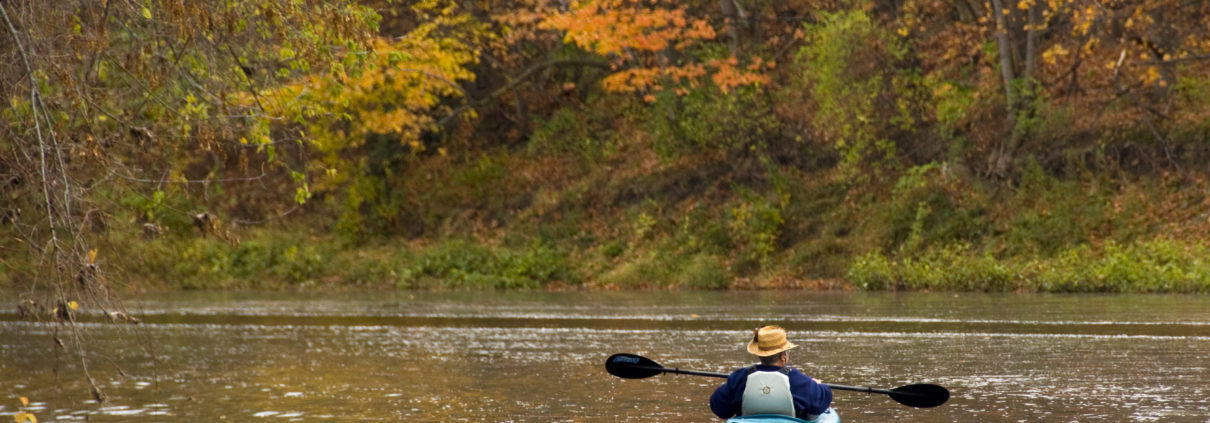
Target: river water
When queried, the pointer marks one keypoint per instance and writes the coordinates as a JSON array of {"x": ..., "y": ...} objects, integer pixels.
[{"x": 537, "y": 357}]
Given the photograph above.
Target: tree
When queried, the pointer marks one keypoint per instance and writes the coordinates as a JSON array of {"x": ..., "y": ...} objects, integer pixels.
[
  {"x": 113, "y": 103},
  {"x": 373, "y": 108},
  {"x": 651, "y": 46},
  {"x": 1115, "y": 65},
  {"x": 854, "y": 70},
  {"x": 1018, "y": 67}
]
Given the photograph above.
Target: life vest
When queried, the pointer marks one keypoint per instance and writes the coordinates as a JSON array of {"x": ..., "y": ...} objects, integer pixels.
[{"x": 768, "y": 393}]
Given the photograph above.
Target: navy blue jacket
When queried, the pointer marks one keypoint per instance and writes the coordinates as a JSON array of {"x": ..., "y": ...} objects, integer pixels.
[{"x": 810, "y": 397}]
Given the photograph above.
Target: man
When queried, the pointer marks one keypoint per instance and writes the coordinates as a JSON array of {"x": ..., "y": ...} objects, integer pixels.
[{"x": 770, "y": 387}]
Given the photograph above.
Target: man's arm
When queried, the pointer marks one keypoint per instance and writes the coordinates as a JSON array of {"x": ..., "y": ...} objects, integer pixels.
[
  {"x": 725, "y": 403},
  {"x": 810, "y": 397}
]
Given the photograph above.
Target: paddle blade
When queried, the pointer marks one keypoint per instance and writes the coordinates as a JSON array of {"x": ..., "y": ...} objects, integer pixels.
[
  {"x": 632, "y": 366},
  {"x": 921, "y": 396}
]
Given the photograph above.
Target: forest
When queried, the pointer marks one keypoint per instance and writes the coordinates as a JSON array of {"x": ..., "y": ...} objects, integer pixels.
[{"x": 929, "y": 145}]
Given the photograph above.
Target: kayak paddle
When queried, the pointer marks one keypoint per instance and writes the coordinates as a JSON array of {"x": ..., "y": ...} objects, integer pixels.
[{"x": 921, "y": 395}]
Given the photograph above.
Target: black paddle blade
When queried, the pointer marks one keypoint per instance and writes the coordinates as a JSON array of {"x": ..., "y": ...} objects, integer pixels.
[
  {"x": 921, "y": 396},
  {"x": 632, "y": 366}
]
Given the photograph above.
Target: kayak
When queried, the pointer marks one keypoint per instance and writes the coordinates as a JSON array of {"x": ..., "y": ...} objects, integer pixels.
[{"x": 829, "y": 416}]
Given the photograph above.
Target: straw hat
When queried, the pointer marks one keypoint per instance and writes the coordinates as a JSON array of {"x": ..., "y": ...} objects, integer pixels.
[{"x": 769, "y": 340}]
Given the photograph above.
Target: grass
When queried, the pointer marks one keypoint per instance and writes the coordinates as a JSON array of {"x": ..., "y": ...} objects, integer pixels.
[
  {"x": 461, "y": 264},
  {"x": 277, "y": 259},
  {"x": 696, "y": 223},
  {"x": 1157, "y": 265}
]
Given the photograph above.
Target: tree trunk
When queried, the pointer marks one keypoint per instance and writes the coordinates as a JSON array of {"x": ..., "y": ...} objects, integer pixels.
[
  {"x": 1018, "y": 87},
  {"x": 999, "y": 160},
  {"x": 1005, "y": 47},
  {"x": 1033, "y": 25},
  {"x": 732, "y": 15}
]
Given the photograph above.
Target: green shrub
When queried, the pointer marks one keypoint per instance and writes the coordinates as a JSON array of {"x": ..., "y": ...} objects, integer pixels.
[
  {"x": 754, "y": 225},
  {"x": 1053, "y": 214},
  {"x": 953, "y": 268},
  {"x": 265, "y": 261},
  {"x": 571, "y": 131},
  {"x": 649, "y": 271},
  {"x": 368, "y": 266},
  {"x": 463, "y": 264},
  {"x": 613, "y": 249},
  {"x": 165, "y": 208},
  {"x": 873, "y": 272},
  {"x": 926, "y": 209},
  {"x": 1158, "y": 265},
  {"x": 848, "y": 64},
  {"x": 366, "y": 209},
  {"x": 826, "y": 256},
  {"x": 706, "y": 118},
  {"x": 704, "y": 271},
  {"x": 956, "y": 268},
  {"x": 643, "y": 227},
  {"x": 661, "y": 267},
  {"x": 955, "y": 101}
]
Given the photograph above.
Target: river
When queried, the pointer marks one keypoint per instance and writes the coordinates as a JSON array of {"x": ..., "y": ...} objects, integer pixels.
[{"x": 538, "y": 357}]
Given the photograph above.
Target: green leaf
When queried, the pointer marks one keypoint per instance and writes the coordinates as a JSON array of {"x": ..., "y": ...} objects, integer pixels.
[
  {"x": 146, "y": 13},
  {"x": 302, "y": 194}
]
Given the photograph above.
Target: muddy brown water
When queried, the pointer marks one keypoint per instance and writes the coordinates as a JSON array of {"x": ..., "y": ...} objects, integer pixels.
[{"x": 537, "y": 357}]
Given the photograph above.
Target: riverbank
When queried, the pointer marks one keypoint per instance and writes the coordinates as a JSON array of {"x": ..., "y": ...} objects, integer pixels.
[
  {"x": 927, "y": 232},
  {"x": 279, "y": 262},
  {"x": 283, "y": 262},
  {"x": 629, "y": 220}
]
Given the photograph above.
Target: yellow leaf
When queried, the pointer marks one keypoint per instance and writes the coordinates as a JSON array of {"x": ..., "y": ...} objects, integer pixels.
[
  {"x": 73, "y": 305},
  {"x": 1050, "y": 56},
  {"x": 903, "y": 32},
  {"x": 24, "y": 401},
  {"x": 243, "y": 140},
  {"x": 1153, "y": 74},
  {"x": 92, "y": 256},
  {"x": 146, "y": 13},
  {"x": 24, "y": 417}
]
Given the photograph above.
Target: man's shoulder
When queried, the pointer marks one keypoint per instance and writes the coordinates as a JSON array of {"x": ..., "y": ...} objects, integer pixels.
[
  {"x": 796, "y": 374},
  {"x": 742, "y": 371}
]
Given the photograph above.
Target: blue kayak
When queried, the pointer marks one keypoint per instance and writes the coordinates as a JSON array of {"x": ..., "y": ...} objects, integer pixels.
[{"x": 829, "y": 416}]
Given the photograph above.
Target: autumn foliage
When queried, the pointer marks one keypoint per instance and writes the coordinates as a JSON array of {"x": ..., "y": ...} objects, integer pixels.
[
  {"x": 650, "y": 45},
  {"x": 729, "y": 127}
]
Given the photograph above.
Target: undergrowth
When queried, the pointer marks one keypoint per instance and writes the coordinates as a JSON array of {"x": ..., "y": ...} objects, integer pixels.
[
  {"x": 622, "y": 216},
  {"x": 1157, "y": 265},
  {"x": 928, "y": 231}
]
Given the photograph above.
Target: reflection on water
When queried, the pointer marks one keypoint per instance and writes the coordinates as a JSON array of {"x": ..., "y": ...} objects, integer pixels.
[{"x": 539, "y": 357}]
